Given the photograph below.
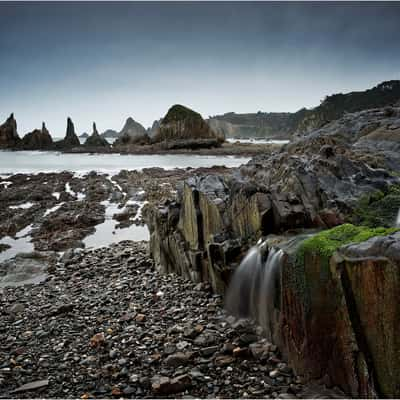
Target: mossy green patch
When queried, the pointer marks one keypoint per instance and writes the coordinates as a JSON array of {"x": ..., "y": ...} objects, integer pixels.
[
  {"x": 325, "y": 243},
  {"x": 378, "y": 208},
  {"x": 179, "y": 113}
]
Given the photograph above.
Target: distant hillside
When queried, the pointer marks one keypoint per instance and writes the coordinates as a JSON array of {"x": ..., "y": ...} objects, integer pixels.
[
  {"x": 261, "y": 124},
  {"x": 333, "y": 107},
  {"x": 284, "y": 125}
]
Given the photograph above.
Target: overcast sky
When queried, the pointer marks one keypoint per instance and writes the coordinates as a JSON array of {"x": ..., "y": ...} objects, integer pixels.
[{"x": 104, "y": 62}]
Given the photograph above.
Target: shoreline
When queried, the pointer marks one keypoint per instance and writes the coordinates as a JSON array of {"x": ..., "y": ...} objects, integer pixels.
[{"x": 227, "y": 149}]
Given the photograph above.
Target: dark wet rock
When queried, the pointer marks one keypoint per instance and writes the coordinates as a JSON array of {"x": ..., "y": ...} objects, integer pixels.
[
  {"x": 66, "y": 227},
  {"x": 95, "y": 140},
  {"x": 8, "y": 133},
  {"x": 39, "y": 139}
]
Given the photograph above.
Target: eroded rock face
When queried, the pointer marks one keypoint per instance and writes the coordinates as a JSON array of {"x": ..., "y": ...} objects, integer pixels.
[
  {"x": 215, "y": 217},
  {"x": 95, "y": 140},
  {"x": 39, "y": 139},
  {"x": 8, "y": 133},
  {"x": 182, "y": 127},
  {"x": 333, "y": 322}
]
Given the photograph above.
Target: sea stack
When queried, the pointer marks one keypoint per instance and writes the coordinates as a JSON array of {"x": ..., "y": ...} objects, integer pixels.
[
  {"x": 95, "y": 140},
  {"x": 38, "y": 139},
  {"x": 132, "y": 133},
  {"x": 183, "y": 127},
  {"x": 8, "y": 134},
  {"x": 71, "y": 139}
]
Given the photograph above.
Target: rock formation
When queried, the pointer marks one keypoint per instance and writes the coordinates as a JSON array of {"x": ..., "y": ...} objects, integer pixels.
[
  {"x": 132, "y": 133},
  {"x": 182, "y": 127},
  {"x": 152, "y": 132},
  {"x": 8, "y": 133},
  {"x": 84, "y": 135},
  {"x": 39, "y": 139},
  {"x": 346, "y": 171},
  {"x": 95, "y": 140},
  {"x": 71, "y": 139},
  {"x": 321, "y": 301}
]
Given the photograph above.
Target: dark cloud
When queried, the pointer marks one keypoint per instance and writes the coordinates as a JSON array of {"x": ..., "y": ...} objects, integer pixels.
[{"x": 105, "y": 61}]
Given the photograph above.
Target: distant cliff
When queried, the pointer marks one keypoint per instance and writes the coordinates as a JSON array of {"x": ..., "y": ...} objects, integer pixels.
[{"x": 284, "y": 125}]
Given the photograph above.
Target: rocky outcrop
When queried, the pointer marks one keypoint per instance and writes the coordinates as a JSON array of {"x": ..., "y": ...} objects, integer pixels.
[
  {"x": 71, "y": 139},
  {"x": 84, "y": 135},
  {"x": 8, "y": 133},
  {"x": 95, "y": 140},
  {"x": 185, "y": 128},
  {"x": 335, "y": 324},
  {"x": 374, "y": 132},
  {"x": 132, "y": 133},
  {"x": 320, "y": 317},
  {"x": 215, "y": 218},
  {"x": 39, "y": 139}
]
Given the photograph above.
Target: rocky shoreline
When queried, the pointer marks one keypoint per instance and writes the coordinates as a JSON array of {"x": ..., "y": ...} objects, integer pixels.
[
  {"x": 60, "y": 210},
  {"x": 105, "y": 324}
]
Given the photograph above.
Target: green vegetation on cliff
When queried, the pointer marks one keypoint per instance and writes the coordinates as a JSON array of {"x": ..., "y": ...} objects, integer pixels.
[
  {"x": 378, "y": 208},
  {"x": 180, "y": 113},
  {"x": 325, "y": 243}
]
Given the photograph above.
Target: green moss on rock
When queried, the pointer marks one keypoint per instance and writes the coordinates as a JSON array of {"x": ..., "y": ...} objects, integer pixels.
[
  {"x": 180, "y": 113},
  {"x": 325, "y": 243},
  {"x": 378, "y": 208}
]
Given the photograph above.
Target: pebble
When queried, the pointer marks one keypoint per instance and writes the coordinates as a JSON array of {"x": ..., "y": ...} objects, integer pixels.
[{"x": 110, "y": 336}]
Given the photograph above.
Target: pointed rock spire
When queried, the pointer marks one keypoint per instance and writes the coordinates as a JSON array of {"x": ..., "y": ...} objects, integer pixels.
[
  {"x": 70, "y": 140},
  {"x": 8, "y": 133},
  {"x": 95, "y": 140},
  {"x": 95, "y": 133}
]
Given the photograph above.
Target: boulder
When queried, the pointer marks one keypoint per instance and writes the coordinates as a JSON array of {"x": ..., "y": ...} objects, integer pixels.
[
  {"x": 8, "y": 134},
  {"x": 39, "y": 139},
  {"x": 95, "y": 140}
]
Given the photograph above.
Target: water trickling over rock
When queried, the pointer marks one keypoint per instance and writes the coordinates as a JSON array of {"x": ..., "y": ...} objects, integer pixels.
[{"x": 255, "y": 285}]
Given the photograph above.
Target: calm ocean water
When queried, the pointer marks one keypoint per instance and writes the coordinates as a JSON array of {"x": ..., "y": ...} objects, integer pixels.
[{"x": 12, "y": 162}]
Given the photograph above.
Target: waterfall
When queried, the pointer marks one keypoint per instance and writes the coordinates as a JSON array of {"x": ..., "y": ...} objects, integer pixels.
[
  {"x": 253, "y": 288},
  {"x": 398, "y": 220}
]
